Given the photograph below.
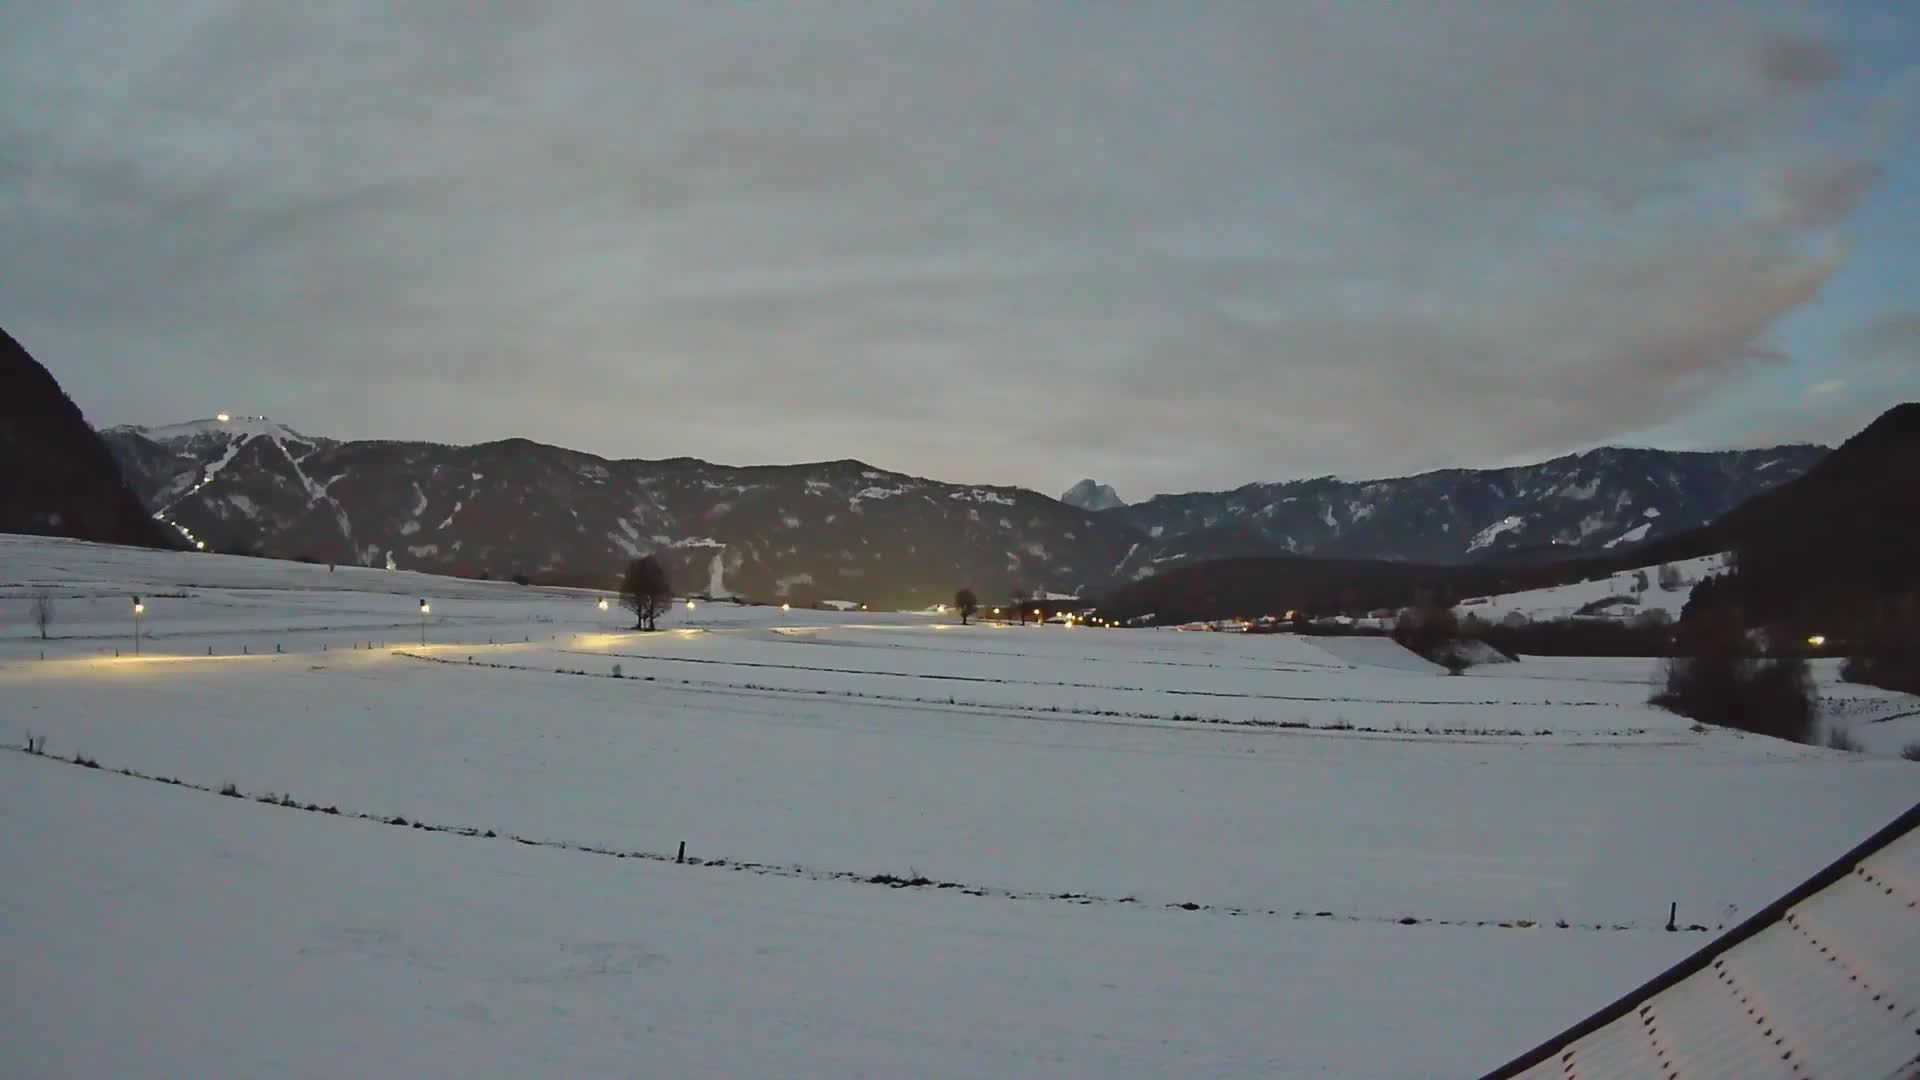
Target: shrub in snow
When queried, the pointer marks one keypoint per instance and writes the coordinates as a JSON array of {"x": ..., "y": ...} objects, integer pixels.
[
  {"x": 41, "y": 612},
  {"x": 1720, "y": 682},
  {"x": 1912, "y": 752},
  {"x": 1427, "y": 629},
  {"x": 1838, "y": 739}
]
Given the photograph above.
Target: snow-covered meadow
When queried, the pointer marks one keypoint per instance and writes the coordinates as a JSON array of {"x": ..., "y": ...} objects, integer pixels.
[
  {"x": 1143, "y": 852},
  {"x": 1624, "y": 586}
]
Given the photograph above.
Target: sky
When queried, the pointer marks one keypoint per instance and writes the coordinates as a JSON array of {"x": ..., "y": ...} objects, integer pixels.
[{"x": 1171, "y": 246}]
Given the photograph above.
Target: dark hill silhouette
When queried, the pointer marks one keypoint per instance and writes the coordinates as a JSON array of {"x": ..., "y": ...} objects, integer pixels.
[
  {"x": 1835, "y": 549},
  {"x": 56, "y": 476}
]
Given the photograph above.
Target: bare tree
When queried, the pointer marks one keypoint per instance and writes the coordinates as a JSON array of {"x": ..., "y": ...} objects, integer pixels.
[
  {"x": 1020, "y": 604},
  {"x": 966, "y": 604},
  {"x": 646, "y": 591},
  {"x": 42, "y": 612},
  {"x": 1670, "y": 580}
]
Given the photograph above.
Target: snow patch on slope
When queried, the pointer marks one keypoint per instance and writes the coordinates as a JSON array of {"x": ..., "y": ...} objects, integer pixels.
[{"x": 1485, "y": 537}]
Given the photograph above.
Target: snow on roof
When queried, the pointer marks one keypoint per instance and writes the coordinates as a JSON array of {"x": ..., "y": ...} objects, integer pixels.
[{"x": 1823, "y": 982}]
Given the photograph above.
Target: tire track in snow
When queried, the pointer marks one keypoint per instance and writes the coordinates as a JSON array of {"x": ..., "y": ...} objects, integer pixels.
[
  {"x": 1337, "y": 728},
  {"x": 1232, "y": 694}
]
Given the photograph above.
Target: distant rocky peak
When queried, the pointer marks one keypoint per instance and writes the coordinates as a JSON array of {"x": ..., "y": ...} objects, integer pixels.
[{"x": 1088, "y": 495}]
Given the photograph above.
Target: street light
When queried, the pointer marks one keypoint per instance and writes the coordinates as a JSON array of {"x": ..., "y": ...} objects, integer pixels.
[
  {"x": 603, "y": 604},
  {"x": 425, "y": 609},
  {"x": 691, "y": 605},
  {"x": 1817, "y": 640},
  {"x": 786, "y": 607},
  {"x": 139, "y": 609}
]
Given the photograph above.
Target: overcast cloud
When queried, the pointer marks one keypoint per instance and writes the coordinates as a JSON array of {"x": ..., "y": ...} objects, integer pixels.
[{"x": 1169, "y": 246}]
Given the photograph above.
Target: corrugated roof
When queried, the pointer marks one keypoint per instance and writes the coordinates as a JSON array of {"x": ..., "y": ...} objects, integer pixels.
[{"x": 1823, "y": 982}]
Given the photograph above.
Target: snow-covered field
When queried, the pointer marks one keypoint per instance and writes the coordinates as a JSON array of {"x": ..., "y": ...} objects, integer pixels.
[
  {"x": 1143, "y": 852},
  {"x": 1565, "y": 601}
]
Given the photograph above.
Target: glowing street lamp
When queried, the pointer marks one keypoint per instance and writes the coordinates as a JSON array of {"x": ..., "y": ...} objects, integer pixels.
[
  {"x": 139, "y": 609},
  {"x": 786, "y": 607},
  {"x": 602, "y": 605},
  {"x": 222, "y": 417},
  {"x": 1817, "y": 640},
  {"x": 691, "y": 605},
  {"x": 425, "y": 609}
]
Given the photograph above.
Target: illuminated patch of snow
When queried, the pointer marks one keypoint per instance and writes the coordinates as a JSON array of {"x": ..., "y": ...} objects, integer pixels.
[
  {"x": 1631, "y": 536},
  {"x": 1485, "y": 537}
]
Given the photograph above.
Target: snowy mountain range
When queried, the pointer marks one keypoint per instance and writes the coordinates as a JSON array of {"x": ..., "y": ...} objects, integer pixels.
[
  {"x": 845, "y": 530},
  {"x": 839, "y": 530},
  {"x": 1601, "y": 500}
]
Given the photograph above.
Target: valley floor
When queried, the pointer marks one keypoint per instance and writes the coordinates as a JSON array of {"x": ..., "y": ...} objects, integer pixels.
[{"x": 1142, "y": 853}]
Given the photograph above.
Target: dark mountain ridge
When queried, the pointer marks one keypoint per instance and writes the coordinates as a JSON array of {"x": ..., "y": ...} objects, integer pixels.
[{"x": 56, "y": 477}]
